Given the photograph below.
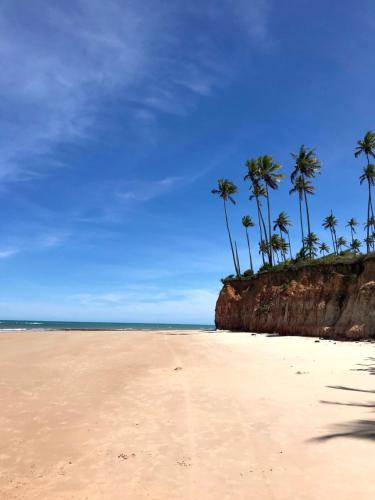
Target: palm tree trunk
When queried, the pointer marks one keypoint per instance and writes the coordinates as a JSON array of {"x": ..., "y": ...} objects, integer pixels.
[
  {"x": 282, "y": 253},
  {"x": 237, "y": 260},
  {"x": 260, "y": 228},
  {"x": 333, "y": 241},
  {"x": 230, "y": 239},
  {"x": 334, "y": 234},
  {"x": 269, "y": 222},
  {"x": 264, "y": 229},
  {"x": 352, "y": 231},
  {"x": 248, "y": 246},
  {"x": 300, "y": 217},
  {"x": 308, "y": 217},
  {"x": 290, "y": 246},
  {"x": 369, "y": 208}
]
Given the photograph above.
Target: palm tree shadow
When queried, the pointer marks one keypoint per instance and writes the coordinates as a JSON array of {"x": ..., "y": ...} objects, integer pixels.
[
  {"x": 357, "y": 429},
  {"x": 366, "y": 367}
]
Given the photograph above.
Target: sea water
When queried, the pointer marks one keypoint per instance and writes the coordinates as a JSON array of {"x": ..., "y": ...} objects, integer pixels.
[{"x": 18, "y": 325}]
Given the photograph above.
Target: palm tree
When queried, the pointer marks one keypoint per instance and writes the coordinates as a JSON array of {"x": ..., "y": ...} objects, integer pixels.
[
  {"x": 323, "y": 248},
  {"x": 276, "y": 245},
  {"x": 302, "y": 187},
  {"x": 370, "y": 226},
  {"x": 311, "y": 242},
  {"x": 355, "y": 245},
  {"x": 263, "y": 249},
  {"x": 341, "y": 242},
  {"x": 247, "y": 222},
  {"x": 352, "y": 223},
  {"x": 330, "y": 222},
  {"x": 370, "y": 241},
  {"x": 226, "y": 189},
  {"x": 257, "y": 191},
  {"x": 369, "y": 175},
  {"x": 282, "y": 223},
  {"x": 306, "y": 165},
  {"x": 367, "y": 146},
  {"x": 268, "y": 172},
  {"x": 284, "y": 246}
]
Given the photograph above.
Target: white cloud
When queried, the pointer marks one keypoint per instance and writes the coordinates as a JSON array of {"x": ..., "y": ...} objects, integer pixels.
[
  {"x": 62, "y": 60},
  {"x": 4, "y": 254}
]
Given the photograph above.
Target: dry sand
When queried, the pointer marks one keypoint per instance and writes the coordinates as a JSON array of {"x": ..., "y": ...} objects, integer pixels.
[{"x": 185, "y": 415}]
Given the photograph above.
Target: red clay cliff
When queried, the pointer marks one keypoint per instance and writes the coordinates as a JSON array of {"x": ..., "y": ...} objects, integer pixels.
[{"x": 325, "y": 300}]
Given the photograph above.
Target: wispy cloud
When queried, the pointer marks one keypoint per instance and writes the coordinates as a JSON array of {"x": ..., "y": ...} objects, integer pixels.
[
  {"x": 62, "y": 60},
  {"x": 148, "y": 190},
  {"x": 4, "y": 254}
]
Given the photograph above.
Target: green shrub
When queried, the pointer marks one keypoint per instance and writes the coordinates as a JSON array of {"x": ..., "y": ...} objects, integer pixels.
[
  {"x": 248, "y": 273},
  {"x": 265, "y": 267}
]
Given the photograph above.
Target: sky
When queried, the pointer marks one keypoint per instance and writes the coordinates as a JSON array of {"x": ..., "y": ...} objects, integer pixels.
[{"x": 118, "y": 117}]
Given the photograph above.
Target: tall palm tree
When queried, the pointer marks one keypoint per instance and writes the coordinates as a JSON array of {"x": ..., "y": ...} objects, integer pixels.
[
  {"x": 282, "y": 223},
  {"x": 284, "y": 247},
  {"x": 366, "y": 146},
  {"x": 323, "y": 248},
  {"x": 352, "y": 223},
  {"x": 247, "y": 222},
  {"x": 355, "y": 245},
  {"x": 369, "y": 175},
  {"x": 370, "y": 241},
  {"x": 302, "y": 187},
  {"x": 370, "y": 228},
  {"x": 276, "y": 245},
  {"x": 341, "y": 242},
  {"x": 270, "y": 175},
  {"x": 226, "y": 189},
  {"x": 306, "y": 165},
  {"x": 257, "y": 192},
  {"x": 330, "y": 222},
  {"x": 311, "y": 242},
  {"x": 263, "y": 249}
]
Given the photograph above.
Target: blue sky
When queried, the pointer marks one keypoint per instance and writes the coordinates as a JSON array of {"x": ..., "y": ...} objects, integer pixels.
[{"x": 117, "y": 118}]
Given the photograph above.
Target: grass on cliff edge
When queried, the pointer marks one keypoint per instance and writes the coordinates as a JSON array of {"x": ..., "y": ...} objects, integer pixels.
[{"x": 345, "y": 258}]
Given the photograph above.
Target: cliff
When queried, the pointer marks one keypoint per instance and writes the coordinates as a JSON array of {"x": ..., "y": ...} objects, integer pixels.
[{"x": 327, "y": 300}]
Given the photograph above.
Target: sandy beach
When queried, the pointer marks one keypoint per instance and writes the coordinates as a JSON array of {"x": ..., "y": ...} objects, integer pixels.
[{"x": 185, "y": 415}]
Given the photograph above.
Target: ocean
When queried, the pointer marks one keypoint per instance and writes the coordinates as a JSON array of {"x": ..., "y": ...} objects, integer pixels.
[{"x": 17, "y": 325}]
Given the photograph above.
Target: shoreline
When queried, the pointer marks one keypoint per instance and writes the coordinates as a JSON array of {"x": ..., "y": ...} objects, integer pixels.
[{"x": 185, "y": 415}]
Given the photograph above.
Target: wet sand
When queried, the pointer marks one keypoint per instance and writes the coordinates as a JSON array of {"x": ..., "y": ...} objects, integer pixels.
[{"x": 185, "y": 415}]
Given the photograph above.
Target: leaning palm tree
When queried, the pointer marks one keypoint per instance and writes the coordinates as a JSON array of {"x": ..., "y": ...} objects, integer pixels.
[
  {"x": 330, "y": 222},
  {"x": 307, "y": 165},
  {"x": 269, "y": 173},
  {"x": 352, "y": 223},
  {"x": 302, "y": 187},
  {"x": 311, "y": 242},
  {"x": 282, "y": 223},
  {"x": 341, "y": 242},
  {"x": 226, "y": 189},
  {"x": 367, "y": 147},
  {"x": 323, "y": 248},
  {"x": 355, "y": 245},
  {"x": 247, "y": 222}
]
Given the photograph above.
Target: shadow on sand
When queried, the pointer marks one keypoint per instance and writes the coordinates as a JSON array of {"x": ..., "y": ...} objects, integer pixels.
[
  {"x": 366, "y": 367},
  {"x": 356, "y": 429}
]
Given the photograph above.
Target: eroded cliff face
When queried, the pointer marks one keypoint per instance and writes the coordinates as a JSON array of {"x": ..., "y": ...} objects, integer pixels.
[{"x": 335, "y": 301}]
